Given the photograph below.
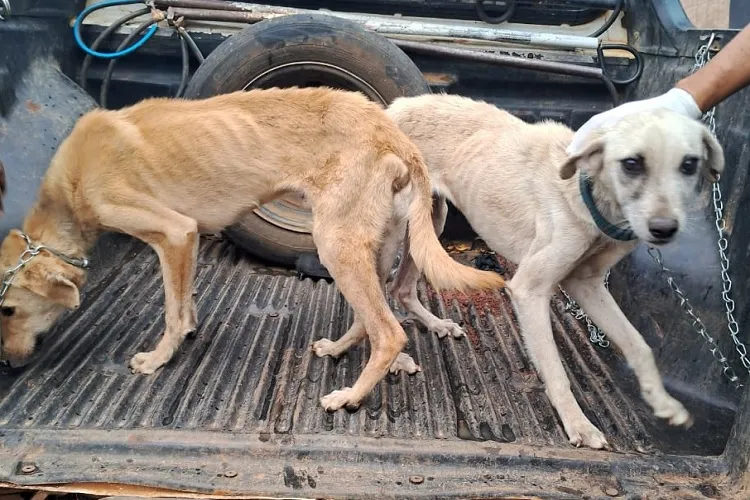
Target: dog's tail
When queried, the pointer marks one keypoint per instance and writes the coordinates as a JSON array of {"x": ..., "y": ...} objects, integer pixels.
[{"x": 429, "y": 255}]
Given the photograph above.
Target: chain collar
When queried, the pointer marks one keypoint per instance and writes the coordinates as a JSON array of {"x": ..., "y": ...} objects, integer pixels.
[{"x": 31, "y": 252}]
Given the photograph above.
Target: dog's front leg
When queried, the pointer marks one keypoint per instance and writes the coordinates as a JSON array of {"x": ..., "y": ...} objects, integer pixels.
[
  {"x": 601, "y": 307},
  {"x": 174, "y": 238},
  {"x": 177, "y": 253},
  {"x": 531, "y": 289},
  {"x": 532, "y": 308}
]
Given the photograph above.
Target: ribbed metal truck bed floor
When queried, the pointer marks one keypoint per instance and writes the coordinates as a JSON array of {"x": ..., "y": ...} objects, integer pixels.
[{"x": 236, "y": 411}]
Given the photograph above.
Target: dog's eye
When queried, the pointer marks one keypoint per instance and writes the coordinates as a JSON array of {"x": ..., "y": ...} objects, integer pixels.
[
  {"x": 7, "y": 311},
  {"x": 689, "y": 165},
  {"x": 633, "y": 166}
]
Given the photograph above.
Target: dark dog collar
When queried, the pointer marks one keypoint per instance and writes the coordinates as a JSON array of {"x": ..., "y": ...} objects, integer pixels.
[{"x": 614, "y": 232}]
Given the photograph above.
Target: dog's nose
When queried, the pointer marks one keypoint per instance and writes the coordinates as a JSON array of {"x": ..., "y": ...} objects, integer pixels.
[{"x": 662, "y": 228}]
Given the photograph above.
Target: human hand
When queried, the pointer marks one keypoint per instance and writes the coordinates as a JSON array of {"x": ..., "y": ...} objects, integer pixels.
[{"x": 676, "y": 99}]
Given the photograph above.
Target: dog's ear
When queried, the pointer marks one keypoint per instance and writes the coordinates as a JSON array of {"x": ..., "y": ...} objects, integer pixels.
[
  {"x": 52, "y": 286},
  {"x": 589, "y": 160},
  {"x": 714, "y": 164},
  {"x": 64, "y": 292}
]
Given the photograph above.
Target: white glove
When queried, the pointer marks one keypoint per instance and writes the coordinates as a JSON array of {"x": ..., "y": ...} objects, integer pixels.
[{"x": 676, "y": 99}]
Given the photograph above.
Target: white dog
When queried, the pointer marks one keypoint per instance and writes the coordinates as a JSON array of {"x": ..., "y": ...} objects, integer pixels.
[{"x": 563, "y": 220}]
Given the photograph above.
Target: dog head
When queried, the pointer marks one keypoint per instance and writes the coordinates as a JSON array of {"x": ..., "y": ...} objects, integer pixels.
[
  {"x": 649, "y": 165},
  {"x": 40, "y": 293}
]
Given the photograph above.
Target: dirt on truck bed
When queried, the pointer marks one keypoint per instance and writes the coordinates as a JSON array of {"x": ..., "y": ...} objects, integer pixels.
[{"x": 236, "y": 411}]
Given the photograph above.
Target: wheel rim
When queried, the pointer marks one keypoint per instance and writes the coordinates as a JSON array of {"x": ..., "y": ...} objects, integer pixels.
[{"x": 291, "y": 211}]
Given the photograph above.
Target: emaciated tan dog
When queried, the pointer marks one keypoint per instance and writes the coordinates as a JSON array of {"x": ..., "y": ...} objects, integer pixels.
[
  {"x": 562, "y": 220},
  {"x": 165, "y": 170}
]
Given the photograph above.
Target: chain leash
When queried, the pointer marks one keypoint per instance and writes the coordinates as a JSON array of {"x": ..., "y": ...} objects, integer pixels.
[
  {"x": 702, "y": 56},
  {"x": 596, "y": 336},
  {"x": 29, "y": 253}
]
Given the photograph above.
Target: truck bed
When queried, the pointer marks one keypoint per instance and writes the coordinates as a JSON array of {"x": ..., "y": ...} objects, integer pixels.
[{"x": 236, "y": 411}]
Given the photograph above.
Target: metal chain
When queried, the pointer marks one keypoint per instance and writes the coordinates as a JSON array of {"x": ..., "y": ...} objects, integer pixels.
[
  {"x": 702, "y": 56},
  {"x": 28, "y": 254},
  {"x": 698, "y": 325},
  {"x": 732, "y": 325},
  {"x": 8, "y": 275},
  {"x": 596, "y": 336}
]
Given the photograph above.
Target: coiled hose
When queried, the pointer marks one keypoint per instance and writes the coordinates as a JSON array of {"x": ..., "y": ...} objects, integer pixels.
[
  {"x": 108, "y": 55},
  {"x": 187, "y": 45}
]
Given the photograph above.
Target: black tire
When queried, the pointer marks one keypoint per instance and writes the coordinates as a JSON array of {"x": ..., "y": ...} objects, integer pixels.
[{"x": 302, "y": 50}]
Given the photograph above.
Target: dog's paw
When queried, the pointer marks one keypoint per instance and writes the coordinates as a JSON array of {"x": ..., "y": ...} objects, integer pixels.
[
  {"x": 584, "y": 433},
  {"x": 406, "y": 363},
  {"x": 325, "y": 347},
  {"x": 146, "y": 362},
  {"x": 445, "y": 327},
  {"x": 338, "y": 399},
  {"x": 672, "y": 410}
]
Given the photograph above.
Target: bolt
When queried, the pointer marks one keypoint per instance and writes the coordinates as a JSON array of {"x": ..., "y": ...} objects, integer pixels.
[
  {"x": 28, "y": 468},
  {"x": 416, "y": 479},
  {"x": 230, "y": 473}
]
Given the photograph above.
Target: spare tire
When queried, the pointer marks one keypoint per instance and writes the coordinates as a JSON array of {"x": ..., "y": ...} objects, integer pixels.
[{"x": 301, "y": 50}]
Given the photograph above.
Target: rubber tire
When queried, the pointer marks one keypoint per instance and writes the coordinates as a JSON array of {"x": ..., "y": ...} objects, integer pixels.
[{"x": 300, "y": 37}]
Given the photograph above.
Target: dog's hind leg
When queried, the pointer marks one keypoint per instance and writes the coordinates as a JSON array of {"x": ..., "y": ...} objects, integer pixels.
[
  {"x": 394, "y": 237},
  {"x": 404, "y": 288},
  {"x": 353, "y": 269},
  {"x": 356, "y": 333},
  {"x": 174, "y": 238},
  {"x": 349, "y": 232},
  {"x": 327, "y": 347},
  {"x": 600, "y": 306}
]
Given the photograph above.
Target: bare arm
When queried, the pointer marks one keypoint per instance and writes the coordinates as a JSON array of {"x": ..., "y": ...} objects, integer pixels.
[{"x": 724, "y": 75}]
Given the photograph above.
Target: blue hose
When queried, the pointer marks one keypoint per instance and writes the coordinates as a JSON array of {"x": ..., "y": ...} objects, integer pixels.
[{"x": 108, "y": 55}]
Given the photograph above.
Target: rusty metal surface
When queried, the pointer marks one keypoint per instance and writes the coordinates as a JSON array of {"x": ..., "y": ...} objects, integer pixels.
[
  {"x": 249, "y": 368},
  {"x": 242, "y": 395},
  {"x": 162, "y": 463}
]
